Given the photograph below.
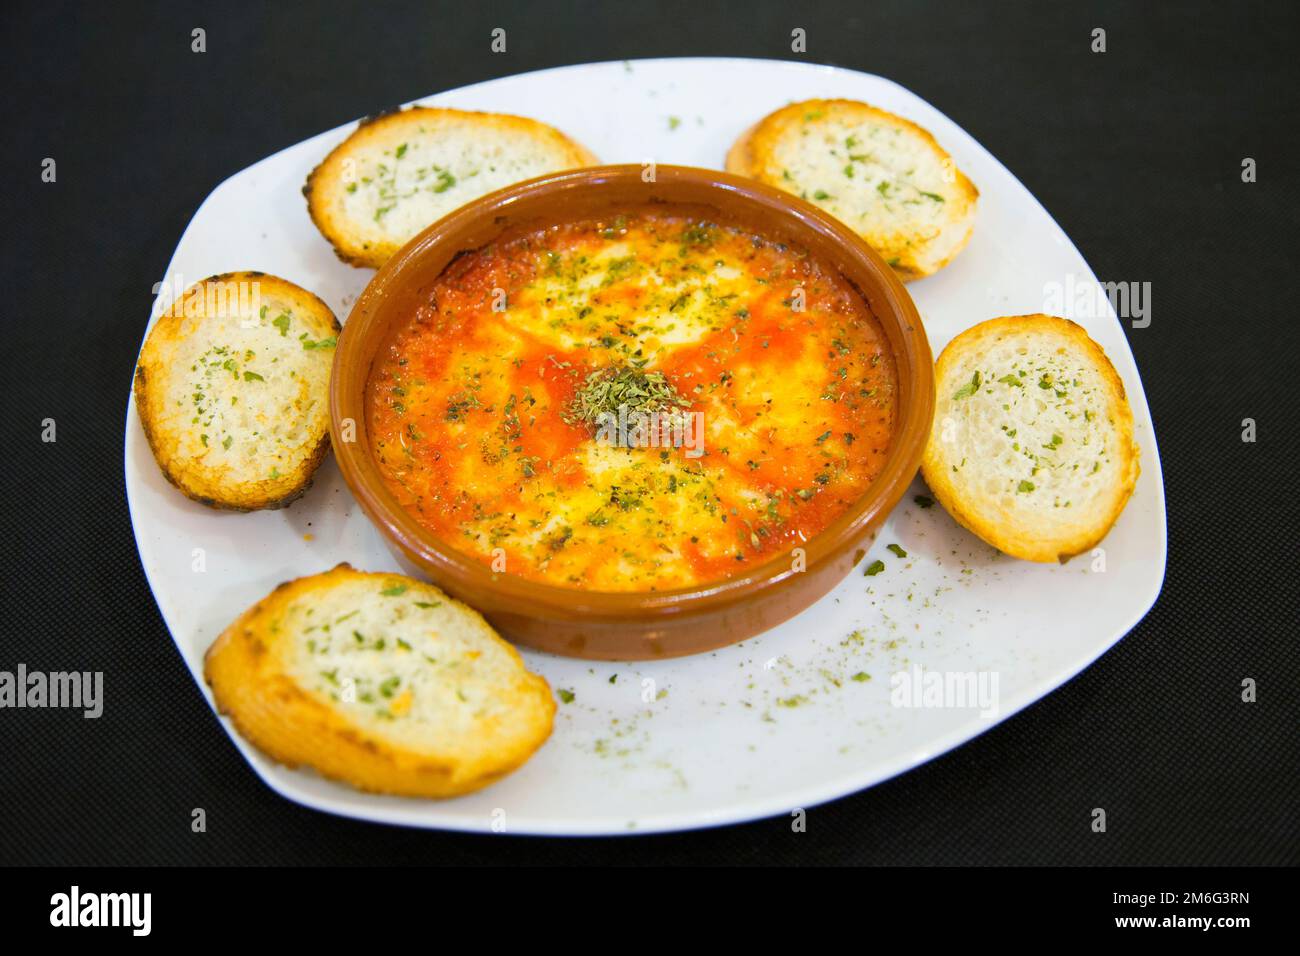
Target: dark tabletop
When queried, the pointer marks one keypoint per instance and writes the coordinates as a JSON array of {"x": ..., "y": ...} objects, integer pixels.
[{"x": 1136, "y": 152}]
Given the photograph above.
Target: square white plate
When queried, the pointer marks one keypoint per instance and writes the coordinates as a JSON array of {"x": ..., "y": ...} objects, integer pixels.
[{"x": 767, "y": 727}]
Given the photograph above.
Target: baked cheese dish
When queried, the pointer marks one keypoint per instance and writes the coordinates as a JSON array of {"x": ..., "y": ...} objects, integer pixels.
[{"x": 646, "y": 402}]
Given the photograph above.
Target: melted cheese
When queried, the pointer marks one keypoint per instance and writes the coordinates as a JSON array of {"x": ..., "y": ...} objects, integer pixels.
[{"x": 789, "y": 373}]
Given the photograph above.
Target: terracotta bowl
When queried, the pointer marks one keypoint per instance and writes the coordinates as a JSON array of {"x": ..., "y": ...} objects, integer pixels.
[{"x": 652, "y": 624}]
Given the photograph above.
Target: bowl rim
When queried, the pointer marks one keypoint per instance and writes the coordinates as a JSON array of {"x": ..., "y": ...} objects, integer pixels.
[{"x": 900, "y": 321}]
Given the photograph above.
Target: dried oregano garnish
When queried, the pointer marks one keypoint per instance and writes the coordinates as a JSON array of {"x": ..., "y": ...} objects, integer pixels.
[{"x": 608, "y": 389}]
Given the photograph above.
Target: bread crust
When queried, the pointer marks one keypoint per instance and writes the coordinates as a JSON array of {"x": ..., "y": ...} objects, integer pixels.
[
  {"x": 753, "y": 155},
  {"x": 168, "y": 437},
  {"x": 246, "y": 670},
  {"x": 974, "y": 512},
  {"x": 327, "y": 181}
]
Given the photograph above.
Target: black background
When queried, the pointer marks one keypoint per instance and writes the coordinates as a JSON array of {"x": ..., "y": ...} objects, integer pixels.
[{"x": 1137, "y": 154}]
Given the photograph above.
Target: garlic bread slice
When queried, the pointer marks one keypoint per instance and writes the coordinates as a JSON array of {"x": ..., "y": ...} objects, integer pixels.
[
  {"x": 1032, "y": 445},
  {"x": 232, "y": 387},
  {"x": 402, "y": 171},
  {"x": 881, "y": 175},
  {"x": 380, "y": 681}
]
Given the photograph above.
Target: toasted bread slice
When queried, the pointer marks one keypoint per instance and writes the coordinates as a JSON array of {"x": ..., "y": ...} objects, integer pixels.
[
  {"x": 379, "y": 681},
  {"x": 232, "y": 387},
  {"x": 402, "y": 171},
  {"x": 1032, "y": 446},
  {"x": 881, "y": 175}
]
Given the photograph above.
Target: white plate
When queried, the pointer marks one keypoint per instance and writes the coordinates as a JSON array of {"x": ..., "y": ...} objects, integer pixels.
[{"x": 767, "y": 727}]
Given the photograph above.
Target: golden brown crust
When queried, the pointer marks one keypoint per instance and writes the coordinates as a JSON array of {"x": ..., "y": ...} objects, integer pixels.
[
  {"x": 973, "y": 511},
  {"x": 168, "y": 438},
  {"x": 246, "y": 667},
  {"x": 325, "y": 182},
  {"x": 753, "y": 155},
  {"x": 740, "y": 158}
]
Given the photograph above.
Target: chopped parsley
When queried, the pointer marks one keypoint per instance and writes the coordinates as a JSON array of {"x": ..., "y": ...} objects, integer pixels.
[
  {"x": 969, "y": 389},
  {"x": 445, "y": 181}
]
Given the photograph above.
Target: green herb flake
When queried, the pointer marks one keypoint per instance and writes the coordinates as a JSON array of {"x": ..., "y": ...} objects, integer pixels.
[
  {"x": 608, "y": 389},
  {"x": 874, "y": 568},
  {"x": 897, "y": 549},
  {"x": 969, "y": 389},
  {"x": 445, "y": 181}
]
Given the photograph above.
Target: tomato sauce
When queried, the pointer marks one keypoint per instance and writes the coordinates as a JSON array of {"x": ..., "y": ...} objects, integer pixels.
[{"x": 476, "y": 406}]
